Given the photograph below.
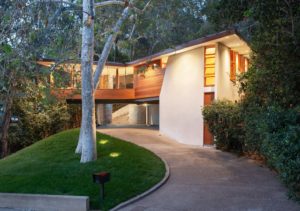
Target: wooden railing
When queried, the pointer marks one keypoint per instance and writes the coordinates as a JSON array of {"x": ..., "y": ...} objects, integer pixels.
[{"x": 100, "y": 94}]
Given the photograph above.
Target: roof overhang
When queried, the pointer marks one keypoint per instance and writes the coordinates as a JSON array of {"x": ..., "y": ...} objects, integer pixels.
[{"x": 229, "y": 38}]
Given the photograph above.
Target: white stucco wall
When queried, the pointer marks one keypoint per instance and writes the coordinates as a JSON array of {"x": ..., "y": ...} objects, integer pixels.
[
  {"x": 224, "y": 87},
  {"x": 181, "y": 98}
]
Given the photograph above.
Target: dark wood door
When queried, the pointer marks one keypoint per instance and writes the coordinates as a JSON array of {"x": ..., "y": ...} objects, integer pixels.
[{"x": 208, "y": 138}]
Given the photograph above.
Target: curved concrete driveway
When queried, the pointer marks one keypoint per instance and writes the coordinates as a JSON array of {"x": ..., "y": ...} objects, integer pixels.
[{"x": 206, "y": 179}]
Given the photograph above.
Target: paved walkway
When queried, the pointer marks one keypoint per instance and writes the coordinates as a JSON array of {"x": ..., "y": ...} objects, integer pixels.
[{"x": 206, "y": 179}]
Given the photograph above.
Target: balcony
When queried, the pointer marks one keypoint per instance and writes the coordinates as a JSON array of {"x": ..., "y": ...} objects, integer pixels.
[{"x": 117, "y": 84}]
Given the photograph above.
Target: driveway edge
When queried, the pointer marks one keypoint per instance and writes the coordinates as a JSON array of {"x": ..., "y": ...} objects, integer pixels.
[{"x": 151, "y": 190}]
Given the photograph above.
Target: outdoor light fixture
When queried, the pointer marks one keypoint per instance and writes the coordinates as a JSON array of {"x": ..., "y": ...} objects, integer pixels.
[
  {"x": 101, "y": 178},
  {"x": 114, "y": 154},
  {"x": 103, "y": 142},
  {"x": 14, "y": 119},
  {"x": 154, "y": 66}
]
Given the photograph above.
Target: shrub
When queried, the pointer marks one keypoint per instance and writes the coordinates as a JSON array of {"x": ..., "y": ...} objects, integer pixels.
[
  {"x": 281, "y": 145},
  {"x": 36, "y": 122},
  {"x": 225, "y": 123}
]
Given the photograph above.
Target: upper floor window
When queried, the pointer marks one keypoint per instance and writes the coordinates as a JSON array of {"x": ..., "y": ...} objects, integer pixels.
[
  {"x": 209, "y": 65},
  {"x": 233, "y": 61},
  {"x": 241, "y": 63},
  {"x": 238, "y": 63},
  {"x": 116, "y": 78}
]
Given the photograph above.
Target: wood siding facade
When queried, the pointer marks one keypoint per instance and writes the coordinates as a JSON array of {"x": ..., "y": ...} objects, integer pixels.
[{"x": 150, "y": 84}]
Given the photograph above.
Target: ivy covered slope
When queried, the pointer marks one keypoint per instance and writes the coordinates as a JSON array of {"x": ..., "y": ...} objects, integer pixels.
[{"x": 51, "y": 167}]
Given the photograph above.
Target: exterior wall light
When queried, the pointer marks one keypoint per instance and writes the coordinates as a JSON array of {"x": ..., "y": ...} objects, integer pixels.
[{"x": 14, "y": 119}]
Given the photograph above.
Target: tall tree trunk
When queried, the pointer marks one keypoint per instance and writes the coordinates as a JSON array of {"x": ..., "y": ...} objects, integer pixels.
[
  {"x": 87, "y": 138},
  {"x": 79, "y": 145},
  {"x": 5, "y": 125}
]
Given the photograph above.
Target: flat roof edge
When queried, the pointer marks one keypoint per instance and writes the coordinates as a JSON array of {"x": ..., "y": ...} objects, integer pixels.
[{"x": 187, "y": 45}]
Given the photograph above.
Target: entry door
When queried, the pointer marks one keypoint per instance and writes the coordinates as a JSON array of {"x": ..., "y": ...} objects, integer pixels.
[{"x": 208, "y": 137}]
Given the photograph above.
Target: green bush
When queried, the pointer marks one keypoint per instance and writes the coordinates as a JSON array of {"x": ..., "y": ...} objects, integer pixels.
[
  {"x": 273, "y": 132},
  {"x": 281, "y": 145},
  {"x": 225, "y": 123},
  {"x": 254, "y": 126},
  {"x": 36, "y": 121}
]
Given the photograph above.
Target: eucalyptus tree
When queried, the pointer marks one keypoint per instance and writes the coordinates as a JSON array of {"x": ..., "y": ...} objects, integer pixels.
[
  {"x": 89, "y": 80},
  {"x": 164, "y": 24}
]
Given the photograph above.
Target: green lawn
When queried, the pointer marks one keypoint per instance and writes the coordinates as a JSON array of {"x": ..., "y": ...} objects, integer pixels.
[{"x": 51, "y": 167}]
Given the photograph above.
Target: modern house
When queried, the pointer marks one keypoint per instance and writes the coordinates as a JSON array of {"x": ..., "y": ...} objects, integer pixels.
[{"x": 171, "y": 87}]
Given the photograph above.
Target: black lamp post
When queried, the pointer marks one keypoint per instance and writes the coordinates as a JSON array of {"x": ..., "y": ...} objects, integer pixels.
[{"x": 101, "y": 178}]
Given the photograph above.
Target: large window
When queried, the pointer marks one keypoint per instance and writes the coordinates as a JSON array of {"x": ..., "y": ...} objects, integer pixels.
[
  {"x": 116, "y": 78},
  {"x": 233, "y": 62},
  {"x": 209, "y": 66},
  {"x": 238, "y": 63},
  {"x": 125, "y": 78}
]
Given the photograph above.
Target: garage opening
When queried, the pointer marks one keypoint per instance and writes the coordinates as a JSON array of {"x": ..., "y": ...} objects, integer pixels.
[{"x": 121, "y": 114}]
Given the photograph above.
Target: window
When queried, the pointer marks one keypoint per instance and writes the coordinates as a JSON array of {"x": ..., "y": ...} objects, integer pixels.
[
  {"x": 233, "y": 61},
  {"x": 209, "y": 66},
  {"x": 107, "y": 78},
  {"x": 116, "y": 78},
  {"x": 125, "y": 78},
  {"x": 241, "y": 63},
  {"x": 237, "y": 63}
]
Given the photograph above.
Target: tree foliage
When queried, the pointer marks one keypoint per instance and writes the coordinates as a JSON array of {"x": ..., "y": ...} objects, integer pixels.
[{"x": 29, "y": 30}]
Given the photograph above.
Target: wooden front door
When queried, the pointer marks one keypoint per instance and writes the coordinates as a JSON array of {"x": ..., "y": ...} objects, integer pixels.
[{"x": 208, "y": 138}]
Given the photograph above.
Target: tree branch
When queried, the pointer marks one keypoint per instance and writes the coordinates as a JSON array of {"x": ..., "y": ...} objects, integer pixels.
[
  {"x": 139, "y": 11},
  {"x": 59, "y": 1},
  {"x": 108, "y": 45},
  {"x": 132, "y": 31},
  {"x": 111, "y": 2}
]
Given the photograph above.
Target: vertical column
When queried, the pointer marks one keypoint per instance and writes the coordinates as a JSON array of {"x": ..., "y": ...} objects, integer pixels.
[
  {"x": 103, "y": 114},
  {"x": 153, "y": 114},
  {"x": 147, "y": 114},
  {"x": 99, "y": 114},
  {"x": 107, "y": 113},
  {"x": 136, "y": 114}
]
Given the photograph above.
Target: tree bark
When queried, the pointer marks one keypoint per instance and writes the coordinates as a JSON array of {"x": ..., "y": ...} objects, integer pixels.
[
  {"x": 87, "y": 138},
  {"x": 5, "y": 125},
  {"x": 78, "y": 149}
]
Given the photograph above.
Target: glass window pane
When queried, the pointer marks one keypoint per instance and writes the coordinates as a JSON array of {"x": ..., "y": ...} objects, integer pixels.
[
  {"x": 209, "y": 70},
  {"x": 210, "y": 61},
  {"x": 210, "y": 50},
  {"x": 129, "y": 78},
  {"x": 122, "y": 78},
  {"x": 210, "y": 81},
  {"x": 107, "y": 78}
]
